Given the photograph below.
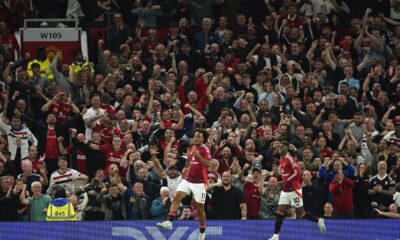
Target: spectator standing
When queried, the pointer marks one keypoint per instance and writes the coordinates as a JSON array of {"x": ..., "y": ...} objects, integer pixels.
[
  {"x": 360, "y": 191},
  {"x": 252, "y": 192},
  {"x": 227, "y": 200},
  {"x": 270, "y": 199},
  {"x": 9, "y": 200},
  {"x": 381, "y": 186},
  {"x": 137, "y": 203},
  {"x": 205, "y": 37},
  {"x": 64, "y": 176},
  {"x": 113, "y": 203},
  {"x": 160, "y": 206},
  {"x": 342, "y": 190},
  {"x": 16, "y": 131},
  {"x": 117, "y": 33},
  {"x": 312, "y": 194},
  {"x": 37, "y": 203}
]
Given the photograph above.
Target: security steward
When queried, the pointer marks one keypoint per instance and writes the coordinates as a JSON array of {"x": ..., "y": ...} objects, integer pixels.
[{"x": 60, "y": 209}]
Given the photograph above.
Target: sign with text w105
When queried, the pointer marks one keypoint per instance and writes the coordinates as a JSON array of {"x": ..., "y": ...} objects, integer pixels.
[
  {"x": 187, "y": 230},
  {"x": 51, "y": 35}
]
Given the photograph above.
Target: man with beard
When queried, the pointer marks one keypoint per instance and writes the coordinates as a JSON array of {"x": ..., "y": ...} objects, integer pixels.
[
  {"x": 225, "y": 159},
  {"x": 172, "y": 179},
  {"x": 227, "y": 200},
  {"x": 356, "y": 128},
  {"x": 79, "y": 63},
  {"x": 270, "y": 199},
  {"x": 112, "y": 203},
  {"x": 344, "y": 107},
  {"x": 47, "y": 135}
]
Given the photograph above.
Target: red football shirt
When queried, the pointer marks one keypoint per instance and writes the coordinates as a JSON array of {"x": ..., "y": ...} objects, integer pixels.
[
  {"x": 113, "y": 156},
  {"x": 106, "y": 133},
  {"x": 197, "y": 172},
  {"x": 51, "y": 144},
  {"x": 252, "y": 197},
  {"x": 62, "y": 111},
  {"x": 80, "y": 159},
  {"x": 291, "y": 174},
  {"x": 36, "y": 166}
]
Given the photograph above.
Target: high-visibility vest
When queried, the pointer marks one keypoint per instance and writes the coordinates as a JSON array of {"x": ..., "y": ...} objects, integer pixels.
[
  {"x": 61, "y": 213},
  {"x": 44, "y": 67},
  {"x": 79, "y": 68}
]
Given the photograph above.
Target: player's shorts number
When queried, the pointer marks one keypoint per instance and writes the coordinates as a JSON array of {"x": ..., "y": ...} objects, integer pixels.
[{"x": 291, "y": 198}]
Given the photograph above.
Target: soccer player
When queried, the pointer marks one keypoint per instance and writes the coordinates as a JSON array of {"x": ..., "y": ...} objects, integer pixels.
[
  {"x": 195, "y": 182},
  {"x": 291, "y": 191}
]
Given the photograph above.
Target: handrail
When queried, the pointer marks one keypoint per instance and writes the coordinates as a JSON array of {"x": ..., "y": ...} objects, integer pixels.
[{"x": 26, "y": 21}]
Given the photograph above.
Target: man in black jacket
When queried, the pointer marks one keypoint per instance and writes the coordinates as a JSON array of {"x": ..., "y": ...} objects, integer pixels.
[
  {"x": 9, "y": 201},
  {"x": 94, "y": 159}
]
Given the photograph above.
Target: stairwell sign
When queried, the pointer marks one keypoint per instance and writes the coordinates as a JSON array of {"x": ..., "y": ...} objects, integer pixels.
[{"x": 56, "y": 39}]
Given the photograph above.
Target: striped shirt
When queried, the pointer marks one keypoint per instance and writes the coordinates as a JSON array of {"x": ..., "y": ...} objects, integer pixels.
[
  {"x": 24, "y": 134},
  {"x": 64, "y": 179}
]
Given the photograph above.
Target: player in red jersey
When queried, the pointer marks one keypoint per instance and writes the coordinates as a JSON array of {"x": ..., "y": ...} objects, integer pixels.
[
  {"x": 291, "y": 191},
  {"x": 195, "y": 181}
]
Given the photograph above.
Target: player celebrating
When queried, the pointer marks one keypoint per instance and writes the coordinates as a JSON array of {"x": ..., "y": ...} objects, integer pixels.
[
  {"x": 291, "y": 191},
  {"x": 195, "y": 182}
]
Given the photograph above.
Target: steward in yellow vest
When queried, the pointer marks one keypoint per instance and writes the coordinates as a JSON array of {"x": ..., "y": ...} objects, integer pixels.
[
  {"x": 60, "y": 209},
  {"x": 44, "y": 63},
  {"x": 79, "y": 63}
]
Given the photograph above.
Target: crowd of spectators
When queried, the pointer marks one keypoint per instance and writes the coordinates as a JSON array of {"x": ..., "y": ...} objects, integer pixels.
[{"x": 323, "y": 75}]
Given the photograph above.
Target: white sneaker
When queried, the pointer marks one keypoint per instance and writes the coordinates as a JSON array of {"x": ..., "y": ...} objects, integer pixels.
[
  {"x": 321, "y": 225},
  {"x": 202, "y": 236},
  {"x": 167, "y": 225},
  {"x": 274, "y": 237}
]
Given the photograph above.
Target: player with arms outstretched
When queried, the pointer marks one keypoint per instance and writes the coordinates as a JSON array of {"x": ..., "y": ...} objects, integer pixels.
[
  {"x": 195, "y": 182},
  {"x": 291, "y": 191}
]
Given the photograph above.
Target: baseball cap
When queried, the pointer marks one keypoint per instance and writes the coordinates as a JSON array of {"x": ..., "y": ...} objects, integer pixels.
[
  {"x": 256, "y": 169},
  {"x": 173, "y": 166},
  {"x": 267, "y": 114}
]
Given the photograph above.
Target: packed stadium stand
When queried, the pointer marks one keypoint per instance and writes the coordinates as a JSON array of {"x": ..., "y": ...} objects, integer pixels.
[{"x": 100, "y": 99}]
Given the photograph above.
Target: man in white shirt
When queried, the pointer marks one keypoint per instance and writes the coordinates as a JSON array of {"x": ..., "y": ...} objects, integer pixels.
[
  {"x": 92, "y": 115},
  {"x": 65, "y": 176},
  {"x": 18, "y": 134}
]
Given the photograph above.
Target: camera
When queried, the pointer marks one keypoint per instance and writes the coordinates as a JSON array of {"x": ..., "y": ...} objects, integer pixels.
[{"x": 375, "y": 206}]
